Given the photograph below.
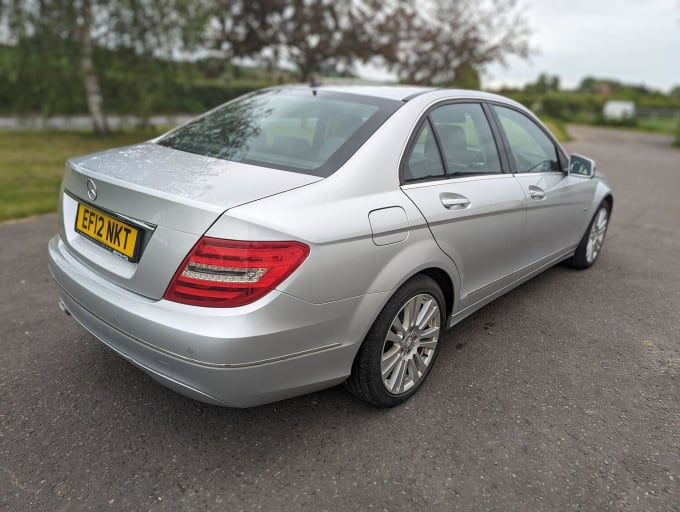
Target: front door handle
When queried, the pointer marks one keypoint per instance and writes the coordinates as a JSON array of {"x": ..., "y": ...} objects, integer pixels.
[
  {"x": 536, "y": 192},
  {"x": 454, "y": 201}
]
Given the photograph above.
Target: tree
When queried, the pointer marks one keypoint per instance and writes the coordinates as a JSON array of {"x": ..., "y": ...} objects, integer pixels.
[
  {"x": 544, "y": 83},
  {"x": 84, "y": 38},
  {"x": 326, "y": 33},
  {"x": 467, "y": 77},
  {"x": 243, "y": 28},
  {"x": 441, "y": 39},
  {"x": 93, "y": 92},
  {"x": 310, "y": 34}
]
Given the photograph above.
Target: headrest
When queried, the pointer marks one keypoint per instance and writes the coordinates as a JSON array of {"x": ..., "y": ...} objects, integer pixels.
[{"x": 449, "y": 114}]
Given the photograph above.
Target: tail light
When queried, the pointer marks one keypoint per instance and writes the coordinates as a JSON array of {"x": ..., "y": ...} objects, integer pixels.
[{"x": 229, "y": 273}]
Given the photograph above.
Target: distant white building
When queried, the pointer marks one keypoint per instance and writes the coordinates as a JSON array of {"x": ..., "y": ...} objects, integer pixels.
[{"x": 617, "y": 110}]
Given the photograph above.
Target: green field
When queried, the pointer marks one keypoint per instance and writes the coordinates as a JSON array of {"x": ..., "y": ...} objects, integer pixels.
[
  {"x": 32, "y": 164},
  {"x": 557, "y": 128},
  {"x": 658, "y": 124}
]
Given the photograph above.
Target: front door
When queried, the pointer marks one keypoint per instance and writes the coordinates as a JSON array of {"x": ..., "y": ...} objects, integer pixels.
[{"x": 557, "y": 203}]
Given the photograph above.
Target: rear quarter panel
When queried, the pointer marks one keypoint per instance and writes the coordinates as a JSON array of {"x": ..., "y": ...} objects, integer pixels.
[{"x": 332, "y": 216}]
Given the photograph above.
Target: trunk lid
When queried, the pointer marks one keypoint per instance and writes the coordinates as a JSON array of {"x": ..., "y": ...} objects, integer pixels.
[{"x": 169, "y": 197}]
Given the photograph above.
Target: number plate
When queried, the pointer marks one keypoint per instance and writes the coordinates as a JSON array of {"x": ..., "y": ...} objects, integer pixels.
[{"x": 116, "y": 236}]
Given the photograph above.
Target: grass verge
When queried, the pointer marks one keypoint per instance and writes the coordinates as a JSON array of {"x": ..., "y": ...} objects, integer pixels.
[
  {"x": 32, "y": 165},
  {"x": 558, "y": 128},
  {"x": 658, "y": 124}
]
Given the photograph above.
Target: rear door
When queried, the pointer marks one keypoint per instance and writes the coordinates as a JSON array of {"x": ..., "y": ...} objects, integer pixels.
[
  {"x": 453, "y": 173},
  {"x": 557, "y": 203}
]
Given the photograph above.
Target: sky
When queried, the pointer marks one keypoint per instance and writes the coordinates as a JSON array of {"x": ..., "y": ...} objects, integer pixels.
[{"x": 634, "y": 41}]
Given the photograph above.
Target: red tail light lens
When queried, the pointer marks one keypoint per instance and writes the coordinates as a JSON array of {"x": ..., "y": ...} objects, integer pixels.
[{"x": 229, "y": 273}]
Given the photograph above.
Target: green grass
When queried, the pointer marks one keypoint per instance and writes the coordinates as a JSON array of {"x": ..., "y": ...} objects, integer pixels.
[
  {"x": 557, "y": 128},
  {"x": 658, "y": 124},
  {"x": 32, "y": 165},
  {"x": 665, "y": 125}
]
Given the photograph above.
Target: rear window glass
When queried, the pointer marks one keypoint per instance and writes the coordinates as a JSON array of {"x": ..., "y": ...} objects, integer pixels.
[{"x": 307, "y": 131}]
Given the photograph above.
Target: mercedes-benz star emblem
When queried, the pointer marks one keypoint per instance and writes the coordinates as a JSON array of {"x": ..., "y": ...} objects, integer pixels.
[{"x": 91, "y": 190}]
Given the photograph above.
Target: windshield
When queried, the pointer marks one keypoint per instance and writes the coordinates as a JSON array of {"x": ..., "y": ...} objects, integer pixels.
[{"x": 307, "y": 131}]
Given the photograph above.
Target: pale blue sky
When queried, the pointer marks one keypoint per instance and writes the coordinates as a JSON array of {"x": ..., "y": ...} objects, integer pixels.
[{"x": 635, "y": 41}]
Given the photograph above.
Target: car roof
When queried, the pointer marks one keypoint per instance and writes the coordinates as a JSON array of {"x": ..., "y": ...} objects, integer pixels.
[
  {"x": 403, "y": 92},
  {"x": 392, "y": 92}
]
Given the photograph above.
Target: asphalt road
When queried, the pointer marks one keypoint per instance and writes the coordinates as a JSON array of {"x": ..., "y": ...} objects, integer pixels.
[{"x": 562, "y": 395}]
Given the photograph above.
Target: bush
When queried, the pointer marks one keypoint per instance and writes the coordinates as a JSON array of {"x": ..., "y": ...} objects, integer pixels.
[
  {"x": 201, "y": 97},
  {"x": 46, "y": 83},
  {"x": 565, "y": 106}
]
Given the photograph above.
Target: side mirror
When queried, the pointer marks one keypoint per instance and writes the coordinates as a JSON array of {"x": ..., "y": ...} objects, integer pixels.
[{"x": 581, "y": 166}]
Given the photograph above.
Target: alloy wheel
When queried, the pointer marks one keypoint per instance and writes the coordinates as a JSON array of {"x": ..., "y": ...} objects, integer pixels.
[
  {"x": 596, "y": 236},
  {"x": 410, "y": 344}
]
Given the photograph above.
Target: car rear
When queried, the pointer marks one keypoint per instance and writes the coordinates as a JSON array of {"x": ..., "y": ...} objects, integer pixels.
[{"x": 207, "y": 316}]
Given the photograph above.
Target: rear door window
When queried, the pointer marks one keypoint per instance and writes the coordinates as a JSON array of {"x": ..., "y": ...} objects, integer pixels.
[
  {"x": 425, "y": 160},
  {"x": 466, "y": 139}
]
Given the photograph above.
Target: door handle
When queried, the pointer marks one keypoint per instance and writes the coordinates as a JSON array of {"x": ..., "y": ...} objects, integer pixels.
[
  {"x": 454, "y": 201},
  {"x": 536, "y": 192}
]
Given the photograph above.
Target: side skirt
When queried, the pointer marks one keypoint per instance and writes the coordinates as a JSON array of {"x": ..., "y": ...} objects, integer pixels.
[{"x": 524, "y": 277}]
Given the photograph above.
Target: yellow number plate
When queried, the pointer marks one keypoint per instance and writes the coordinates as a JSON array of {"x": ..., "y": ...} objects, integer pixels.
[{"x": 110, "y": 233}]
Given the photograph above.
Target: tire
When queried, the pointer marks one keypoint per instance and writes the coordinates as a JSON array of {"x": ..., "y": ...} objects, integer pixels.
[
  {"x": 406, "y": 352},
  {"x": 590, "y": 246}
]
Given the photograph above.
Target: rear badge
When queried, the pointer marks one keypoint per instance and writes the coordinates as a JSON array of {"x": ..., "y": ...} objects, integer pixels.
[{"x": 91, "y": 190}]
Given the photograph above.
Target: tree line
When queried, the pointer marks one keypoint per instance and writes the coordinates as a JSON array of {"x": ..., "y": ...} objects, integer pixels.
[{"x": 76, "y": 46}]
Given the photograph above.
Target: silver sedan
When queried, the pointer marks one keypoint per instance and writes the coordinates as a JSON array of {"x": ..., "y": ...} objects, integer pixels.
[{"x": 297, "y": 238}]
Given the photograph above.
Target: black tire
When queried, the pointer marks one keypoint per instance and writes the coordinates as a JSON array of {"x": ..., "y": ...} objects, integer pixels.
[
  {"x": 580, "y": 259},
  {"x": 366, "y": 380}
]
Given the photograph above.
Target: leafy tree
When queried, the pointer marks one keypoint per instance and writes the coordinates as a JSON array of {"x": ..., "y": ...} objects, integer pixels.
[
  {"x": 309, "y": 31},
  {"x": 467, "y": 77},
  {"x": 611, "y": 86},
  {"x": 318, "y": 33},
  {"x": 544, "y": 83},
  {"x": 441, "y": 38},
  {"x": 83, "y": 39},
  {"x": 243, "y": 28},
  {"x": 310, "y": 34}
]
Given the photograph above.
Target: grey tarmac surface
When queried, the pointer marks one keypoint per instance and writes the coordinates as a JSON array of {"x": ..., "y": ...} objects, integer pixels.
[{"x": 562, "y": 395}]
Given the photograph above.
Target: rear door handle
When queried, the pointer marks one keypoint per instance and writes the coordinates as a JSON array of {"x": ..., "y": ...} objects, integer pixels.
[
  {"x": 454, "y": 201},
  {"x": 536, "y": 192}
]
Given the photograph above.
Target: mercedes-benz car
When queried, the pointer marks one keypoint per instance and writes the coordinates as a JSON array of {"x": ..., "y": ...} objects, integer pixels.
[{"x": 300, "y": 237}]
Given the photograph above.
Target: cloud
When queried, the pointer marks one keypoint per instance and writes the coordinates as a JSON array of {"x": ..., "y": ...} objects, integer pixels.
[{"x": 636, "y": 42}]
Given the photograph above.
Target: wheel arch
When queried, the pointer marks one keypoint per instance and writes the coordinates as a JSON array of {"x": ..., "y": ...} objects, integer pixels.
[{"x": 445, "y": 283}]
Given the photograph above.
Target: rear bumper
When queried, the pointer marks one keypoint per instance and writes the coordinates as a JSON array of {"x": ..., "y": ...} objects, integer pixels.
[{"x": 275, "y": 348}]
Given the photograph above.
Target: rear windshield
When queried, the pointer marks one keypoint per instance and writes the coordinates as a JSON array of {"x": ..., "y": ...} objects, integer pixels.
[{"x": 308, "y": 131}]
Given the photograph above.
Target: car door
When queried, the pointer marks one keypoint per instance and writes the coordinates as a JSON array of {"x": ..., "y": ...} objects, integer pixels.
[
  {"x": 452, "y": 172},
  {"x": 557, "y": 203}
]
